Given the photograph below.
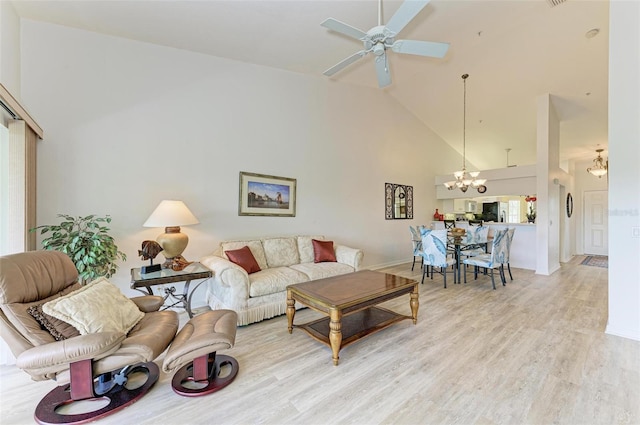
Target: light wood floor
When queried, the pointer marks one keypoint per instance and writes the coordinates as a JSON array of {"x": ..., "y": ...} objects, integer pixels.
[{"x": 533, "y": 352}]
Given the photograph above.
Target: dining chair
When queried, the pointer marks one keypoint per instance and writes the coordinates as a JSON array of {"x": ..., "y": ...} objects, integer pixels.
[
  {"x": 417, "y": 244},
  {"x": 448, "y": 225},
  {"x": 491, "y": 261},
  {"x": 510, "y": 233},
  {"x": 476, "y": 241},
  {"x": 475, "y": 223},
  {"x": 434, "y": 254}
]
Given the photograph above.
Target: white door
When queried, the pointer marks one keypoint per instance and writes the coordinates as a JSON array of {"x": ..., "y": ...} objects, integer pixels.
[{"x": 596, "y": 222}]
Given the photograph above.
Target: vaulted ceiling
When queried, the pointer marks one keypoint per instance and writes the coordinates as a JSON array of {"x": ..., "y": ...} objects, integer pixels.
[{"x": 514, "y": 51}]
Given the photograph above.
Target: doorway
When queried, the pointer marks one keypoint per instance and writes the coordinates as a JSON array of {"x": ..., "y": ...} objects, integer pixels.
[{"x": 596, "y": 222}]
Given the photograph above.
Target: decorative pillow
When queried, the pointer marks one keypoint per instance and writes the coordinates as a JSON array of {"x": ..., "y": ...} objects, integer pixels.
[
  {"x": 254, "y": 245},
  {"x": 96, "y": 307},
  {"x": 305, "y": 247},
  {"x": 281, "y": 252},
  {"x": 323, "y": 251},
  {"x": 244, "y": 258},
  {"x": 57, "y": 328}
]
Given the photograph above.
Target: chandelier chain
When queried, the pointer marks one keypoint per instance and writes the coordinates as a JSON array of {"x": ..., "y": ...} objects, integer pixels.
[
  {"x": 464, "y": 122},
  {"x": 463, "y": 180}
]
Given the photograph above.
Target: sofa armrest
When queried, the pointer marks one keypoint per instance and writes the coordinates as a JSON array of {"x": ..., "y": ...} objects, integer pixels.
[
  {"x": 148, "y": 303},
  {"x": 350, "y": 256},
  {"x": 230, "y": 283},
  {"x": 57, "y": 356}
]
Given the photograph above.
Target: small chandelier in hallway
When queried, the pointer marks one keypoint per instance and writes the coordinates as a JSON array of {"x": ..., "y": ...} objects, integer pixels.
[
  {"x": 600, "y": 167},
  {"x": 463, "y": 181}
]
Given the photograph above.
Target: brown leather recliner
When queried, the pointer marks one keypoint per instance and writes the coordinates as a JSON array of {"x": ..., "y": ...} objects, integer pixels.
[{"x": 90, "y": 366}]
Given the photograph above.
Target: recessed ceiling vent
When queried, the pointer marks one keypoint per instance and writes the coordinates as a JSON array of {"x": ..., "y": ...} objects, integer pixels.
[{"x": 554, "y": 3}]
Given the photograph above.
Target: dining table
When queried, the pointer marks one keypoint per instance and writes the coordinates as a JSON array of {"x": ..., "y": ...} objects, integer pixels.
[{"x": 460, "y": 244}]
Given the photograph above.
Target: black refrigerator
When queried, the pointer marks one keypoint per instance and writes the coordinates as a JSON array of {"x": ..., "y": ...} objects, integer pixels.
[{"x": 490, "y": 211}]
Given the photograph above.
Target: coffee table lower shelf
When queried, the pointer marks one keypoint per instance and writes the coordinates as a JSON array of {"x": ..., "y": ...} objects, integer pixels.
[{"x": 355, "y": 326}]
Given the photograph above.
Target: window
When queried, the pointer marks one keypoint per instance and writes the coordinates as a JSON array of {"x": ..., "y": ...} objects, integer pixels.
[
  {"x": 514, "y": 211},
  {"x": 4, "y": 190}
]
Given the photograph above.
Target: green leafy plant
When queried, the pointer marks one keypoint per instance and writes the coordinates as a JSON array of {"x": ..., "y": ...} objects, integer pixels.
[
  {"x": 87, "y": 242},
  {"x": 531, "y": 215}
]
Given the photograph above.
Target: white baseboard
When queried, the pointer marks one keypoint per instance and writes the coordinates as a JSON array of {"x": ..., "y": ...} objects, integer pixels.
[
  {"x": 389, "y": 264},
  {"x": 633, "y": 334}
]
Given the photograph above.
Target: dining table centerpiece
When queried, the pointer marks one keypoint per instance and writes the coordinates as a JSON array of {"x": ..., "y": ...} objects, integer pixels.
[{"x": 458, "y": 233}]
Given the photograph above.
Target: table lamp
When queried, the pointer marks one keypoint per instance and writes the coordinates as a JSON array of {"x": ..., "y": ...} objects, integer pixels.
[{"x": 171, "y": 215}]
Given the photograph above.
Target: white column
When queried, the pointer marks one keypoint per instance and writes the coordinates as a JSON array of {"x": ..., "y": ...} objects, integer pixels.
[
  {"x": 548, "y": 192},
  {"x": 624, "y": 172}
]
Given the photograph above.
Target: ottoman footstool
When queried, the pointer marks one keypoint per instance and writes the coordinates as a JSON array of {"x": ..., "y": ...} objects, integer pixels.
[{"x": 193, "y": 354}]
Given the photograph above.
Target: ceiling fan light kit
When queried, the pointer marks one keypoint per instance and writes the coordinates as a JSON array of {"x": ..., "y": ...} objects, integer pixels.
[
  {"x": 382, "y": 37},
  {"x": 462, "y": 181}
]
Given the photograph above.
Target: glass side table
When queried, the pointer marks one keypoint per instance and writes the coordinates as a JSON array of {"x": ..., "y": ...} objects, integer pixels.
[{"x": 166, "y": 276}]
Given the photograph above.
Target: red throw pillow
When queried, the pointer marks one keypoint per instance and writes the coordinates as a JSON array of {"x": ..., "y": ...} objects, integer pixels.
[
  {"x": 244, "y": 258},
  {"x": 323, "y": 251}
]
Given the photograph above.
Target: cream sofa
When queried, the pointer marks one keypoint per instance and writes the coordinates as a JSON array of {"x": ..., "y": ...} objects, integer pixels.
[{"x": 283, "y": 261}]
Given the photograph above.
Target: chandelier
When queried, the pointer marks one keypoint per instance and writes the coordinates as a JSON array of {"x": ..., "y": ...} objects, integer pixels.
[
  {"x": 463, "y": 179},
  {"x": 600, "y": 167}
]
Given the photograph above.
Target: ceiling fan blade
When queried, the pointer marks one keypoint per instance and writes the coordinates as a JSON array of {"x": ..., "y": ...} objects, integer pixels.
[
  {"x": 421, "y": 48},
  {"x": 407, "y": 11},
  {"x": 341, "y": 27},
  {"x": 344, "y": 63},
  {"x": 382, "y": 70}
]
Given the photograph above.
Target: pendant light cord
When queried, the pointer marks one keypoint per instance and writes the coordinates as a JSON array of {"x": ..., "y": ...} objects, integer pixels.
[{"x": 464, "y": 123}]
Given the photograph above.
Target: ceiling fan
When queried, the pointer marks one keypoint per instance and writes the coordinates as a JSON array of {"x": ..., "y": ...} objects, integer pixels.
[{"x": 381, "y": 37}]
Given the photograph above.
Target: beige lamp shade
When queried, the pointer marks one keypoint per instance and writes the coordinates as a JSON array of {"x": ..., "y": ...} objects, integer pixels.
[{"x": 171, "y": 215}]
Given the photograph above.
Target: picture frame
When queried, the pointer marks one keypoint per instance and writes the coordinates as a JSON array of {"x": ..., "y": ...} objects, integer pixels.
[{"x": 265, "y": 195}]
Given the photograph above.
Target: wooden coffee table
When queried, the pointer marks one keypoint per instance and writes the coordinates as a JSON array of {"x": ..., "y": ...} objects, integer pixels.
[{"x": 349, "y": 301}]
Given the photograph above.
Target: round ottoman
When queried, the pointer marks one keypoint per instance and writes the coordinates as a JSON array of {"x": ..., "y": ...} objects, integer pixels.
[{"x": 193, "y": 354}]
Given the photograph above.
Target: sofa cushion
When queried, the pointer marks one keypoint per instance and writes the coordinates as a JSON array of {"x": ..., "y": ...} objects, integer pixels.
[
  {"x": 274, "y": 280},
  {"x": 305, "y": 247},
  {"x": 321, "y": 270},
  {"x": 254, "y": 245},
  {"x": 96, "y": 307},
  {"x": 244, "y": 258},
  {"x": 323, "y": 251},
  {"x": 281, "y": 252}
]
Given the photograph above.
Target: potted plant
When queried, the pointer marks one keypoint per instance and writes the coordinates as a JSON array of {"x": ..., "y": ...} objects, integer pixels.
[
  {"x": 531, "y": 215},
  {"x": 87, "y": 242}
]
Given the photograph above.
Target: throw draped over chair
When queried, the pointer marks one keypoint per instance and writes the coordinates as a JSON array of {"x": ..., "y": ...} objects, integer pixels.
[
  {"x": 417, "y": 244},
  {"x": 491, "y": 261},
  {"x": 92, "y": 366},
  {"x": 434, "y": 254}
]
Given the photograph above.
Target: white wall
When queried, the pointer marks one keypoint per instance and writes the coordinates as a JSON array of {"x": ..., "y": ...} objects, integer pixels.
[
  {"x": 624, "y": 173},
  {"x": 129, "y": 124},
  {"x": 9, "y": 48}
]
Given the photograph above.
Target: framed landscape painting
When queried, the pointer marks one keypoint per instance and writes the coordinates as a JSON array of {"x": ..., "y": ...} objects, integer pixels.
[{"x": 267, "y": 195}]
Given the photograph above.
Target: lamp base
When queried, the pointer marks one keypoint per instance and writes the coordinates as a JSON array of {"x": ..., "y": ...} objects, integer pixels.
[{"x": 173, "y": 242}]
